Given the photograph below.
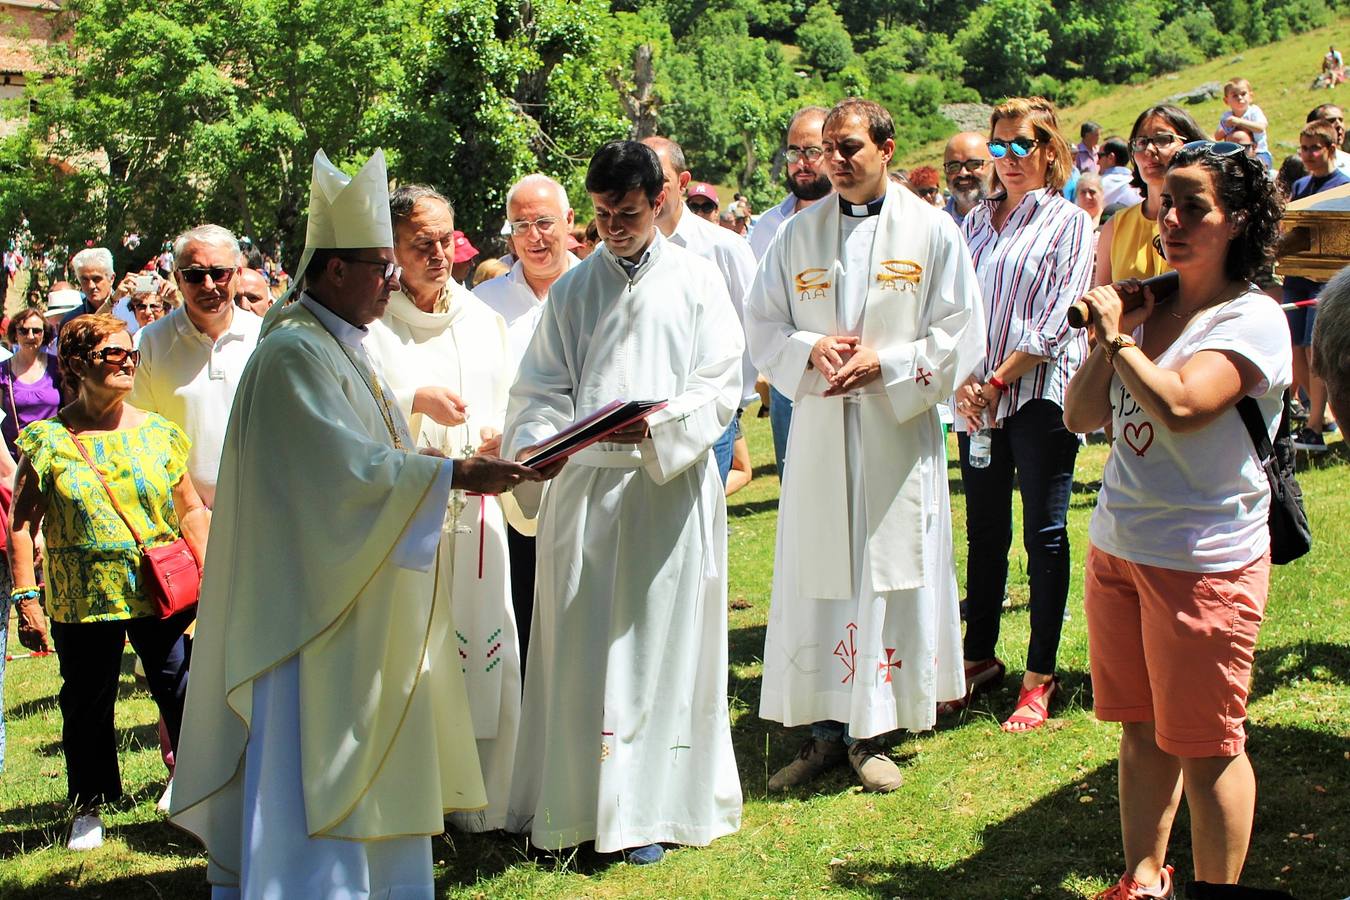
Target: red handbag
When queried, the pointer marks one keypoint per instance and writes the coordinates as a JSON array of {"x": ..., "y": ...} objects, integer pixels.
[{"x": 170, "y": 574}]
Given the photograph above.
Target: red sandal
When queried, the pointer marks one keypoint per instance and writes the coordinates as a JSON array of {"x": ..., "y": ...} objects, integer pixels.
[
  {"x": 983, "y": 677},
  {"x": 1038, "y": 699}
]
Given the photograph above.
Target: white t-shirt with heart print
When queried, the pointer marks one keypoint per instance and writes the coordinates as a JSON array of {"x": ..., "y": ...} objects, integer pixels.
[{"x": 1196, "y": 501}]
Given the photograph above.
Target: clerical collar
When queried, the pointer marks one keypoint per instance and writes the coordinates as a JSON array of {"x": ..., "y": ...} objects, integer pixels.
[{"x": 861, "y": 212}]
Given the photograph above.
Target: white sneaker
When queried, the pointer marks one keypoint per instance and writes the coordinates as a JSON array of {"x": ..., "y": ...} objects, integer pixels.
[
  {"x": 164, "y": 799},
  {"x": 86, "y": 833}
]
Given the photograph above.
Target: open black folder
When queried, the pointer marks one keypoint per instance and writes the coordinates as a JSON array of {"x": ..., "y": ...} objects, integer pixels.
[{"x": 595, "y": 427}]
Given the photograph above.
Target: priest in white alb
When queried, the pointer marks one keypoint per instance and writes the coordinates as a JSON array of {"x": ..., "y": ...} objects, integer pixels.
[
  {"x": 327, "y": 730},
  {"x": 435, "y": 335},
  {"x": 625, "y": 735},
  {"x": 866, "y": 314}
]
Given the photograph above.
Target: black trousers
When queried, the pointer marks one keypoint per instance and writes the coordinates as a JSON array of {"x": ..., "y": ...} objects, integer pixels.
[
  {"x": 90, "y": 654},
  {"x": 1034, "y": 445},
  {"x": 521, "y": 550}
]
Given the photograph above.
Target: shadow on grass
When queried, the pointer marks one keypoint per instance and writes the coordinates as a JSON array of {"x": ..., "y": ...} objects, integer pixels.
[
  {"x": 1060, "y": 840},
  {"x": 1277, "y": 667},
  {"x": 78, "y": 877},
  {"x": 751, "y": 508},
  {"x": 33, "y": 707}
]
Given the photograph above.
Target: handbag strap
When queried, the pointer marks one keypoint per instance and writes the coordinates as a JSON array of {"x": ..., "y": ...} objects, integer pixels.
[
  {"x": 140, "y": 545},
  {"x": 1256, "y": 425}
]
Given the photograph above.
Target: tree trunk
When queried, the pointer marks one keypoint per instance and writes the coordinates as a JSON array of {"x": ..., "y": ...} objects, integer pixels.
[{"x": 639, "y": 104}]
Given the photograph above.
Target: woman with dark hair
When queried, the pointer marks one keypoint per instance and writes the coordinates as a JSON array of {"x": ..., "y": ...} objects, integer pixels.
[
  {"x": 1179, "y": 565},
  {"x": 1032, "y": 251},
  {"x": 1127, "y": 245},
  {"x": 30, "y": 380},
  {"x": 84, "y": 475}
]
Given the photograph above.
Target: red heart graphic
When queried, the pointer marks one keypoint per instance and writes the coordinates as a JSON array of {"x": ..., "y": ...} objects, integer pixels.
[{"x": 1139, "y": 437}]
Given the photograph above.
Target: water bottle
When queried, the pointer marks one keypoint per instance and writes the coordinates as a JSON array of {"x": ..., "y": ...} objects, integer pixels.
[{"x": 978, "y": 448}]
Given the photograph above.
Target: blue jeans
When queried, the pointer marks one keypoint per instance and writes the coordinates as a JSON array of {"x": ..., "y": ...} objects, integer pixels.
[
  {"x": 830, "y": 730},
  {"x": 1034, "y": 446},
  {"x": 780, "y": 420},
  {"x": 722, "y": 449}
]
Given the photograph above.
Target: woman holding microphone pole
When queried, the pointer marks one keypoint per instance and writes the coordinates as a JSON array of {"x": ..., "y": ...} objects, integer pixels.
[{"x": 1178, "y": 569}]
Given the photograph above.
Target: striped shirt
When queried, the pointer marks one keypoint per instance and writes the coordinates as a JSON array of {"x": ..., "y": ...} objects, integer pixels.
[{"x": 1029, "y": 274}]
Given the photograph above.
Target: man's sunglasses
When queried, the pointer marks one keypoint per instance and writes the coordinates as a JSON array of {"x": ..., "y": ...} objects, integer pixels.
[
  {"x": 197, "y": 274},
  {"x": 970, "y": 165},
  {"x": 701, "y": 207},
  {"x": 115, "y": 356},
  {"x": 1020, "y": 147}
]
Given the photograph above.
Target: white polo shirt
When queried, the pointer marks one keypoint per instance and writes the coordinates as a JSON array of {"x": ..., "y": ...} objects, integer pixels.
[
  {"x": 511, "y": 297},
  {"x": 190, "y": 380}
]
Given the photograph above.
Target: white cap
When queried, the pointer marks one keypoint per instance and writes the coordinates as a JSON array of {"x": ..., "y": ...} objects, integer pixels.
[{"x": 346, "y": 213}]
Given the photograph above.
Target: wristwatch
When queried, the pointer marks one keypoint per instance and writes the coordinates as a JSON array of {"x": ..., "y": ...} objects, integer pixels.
[{"x": 1118, "y": 343}]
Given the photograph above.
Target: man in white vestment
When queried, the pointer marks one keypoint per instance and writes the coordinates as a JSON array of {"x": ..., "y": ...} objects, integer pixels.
[
  {"x": 540, "y": 219},
  {"x": 327, "y": 731},
  {"x": 435, "y": 333},
  {"x": 725, "y": 249},
  {"x": 866, "y": 313},
  {"x": 625, "y": 736},
  {"x": 192, "y": 359},
  {"x": 807, "y": 184}
]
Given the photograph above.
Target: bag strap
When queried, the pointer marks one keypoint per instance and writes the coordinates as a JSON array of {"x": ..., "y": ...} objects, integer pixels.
[
  {"x": 1256, "y": 426},
  {"x": 140, "y": 545}
]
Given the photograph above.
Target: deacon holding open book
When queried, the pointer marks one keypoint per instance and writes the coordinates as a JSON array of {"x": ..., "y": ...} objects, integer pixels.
[
  {"x": 866, "y": 313},
  {"x": 625, "y": 738}
]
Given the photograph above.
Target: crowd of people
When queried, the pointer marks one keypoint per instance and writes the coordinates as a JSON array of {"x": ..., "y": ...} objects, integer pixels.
[{"x": 446, "y": 633}]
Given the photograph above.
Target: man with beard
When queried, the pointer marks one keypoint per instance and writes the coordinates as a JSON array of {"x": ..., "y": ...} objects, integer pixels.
[
  {"x": 966, "y": 165},
  {"x": 807, "y": 183}
]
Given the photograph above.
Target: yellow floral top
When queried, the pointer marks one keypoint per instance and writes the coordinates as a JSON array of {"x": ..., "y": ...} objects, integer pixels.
[{"x": 93, "y": 565}]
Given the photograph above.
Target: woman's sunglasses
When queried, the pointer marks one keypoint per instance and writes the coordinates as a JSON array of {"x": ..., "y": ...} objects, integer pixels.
[
  {"x": 115, "y": 356},
  {"x": 1020, "y": 147}
]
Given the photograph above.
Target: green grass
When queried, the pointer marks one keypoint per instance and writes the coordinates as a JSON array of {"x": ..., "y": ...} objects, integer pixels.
[
  {"x": 1280, "y": 74},
  {"x": 981, "y": 815}
]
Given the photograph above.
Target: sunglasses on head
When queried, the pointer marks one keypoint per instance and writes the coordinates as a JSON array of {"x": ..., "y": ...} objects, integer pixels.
[
  {"x": 115, "y": 356},
  {"x": 1021, "y": 147},
  {"x": 970, "y": 165},
  {"x": 197, "y": 274},
  {"x": 1221, "y": 149}
]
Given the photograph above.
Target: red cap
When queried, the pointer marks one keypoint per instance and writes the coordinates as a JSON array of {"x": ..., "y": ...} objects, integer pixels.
[
  {"x": 464, "y": 251},
  {"x": 705, "y": 190}
]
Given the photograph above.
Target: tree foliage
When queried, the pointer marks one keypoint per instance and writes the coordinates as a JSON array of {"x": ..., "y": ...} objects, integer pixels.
[
  {"x": 825, "y": 42},
  {"x": 1005, "y": 43}
]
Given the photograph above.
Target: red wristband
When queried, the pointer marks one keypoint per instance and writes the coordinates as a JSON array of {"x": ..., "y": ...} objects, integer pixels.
[{"x": 999, "y": 384}]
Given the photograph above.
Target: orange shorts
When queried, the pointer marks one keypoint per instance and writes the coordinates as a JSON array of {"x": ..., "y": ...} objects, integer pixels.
[{"x": 1174, "y": 648}]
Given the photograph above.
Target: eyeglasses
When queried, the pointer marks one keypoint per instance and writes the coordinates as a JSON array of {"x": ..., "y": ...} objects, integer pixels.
[
  {"x": 391, "y": 270},
  {"x": 926, "y": 192},
  {"x": 115, "y": 356},
  {"x": 197, "y": 274},
  {"x": 143, "y": 307},
  {"x": 970, "y": 165},
  {"x": 1161, "y": 140},
  {"x": 797, "y": 154},
  {"x": 544, "y": 225},
  {"x": 1021, "y": 147},
  {"x": 701, "y": 206},
  {"x": 22, "y": 330},
  {"x": 1221, "y": 149}
]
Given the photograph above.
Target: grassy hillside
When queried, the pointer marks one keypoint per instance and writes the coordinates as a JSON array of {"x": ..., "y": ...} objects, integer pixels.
[{"x": 1280, "y": 74}]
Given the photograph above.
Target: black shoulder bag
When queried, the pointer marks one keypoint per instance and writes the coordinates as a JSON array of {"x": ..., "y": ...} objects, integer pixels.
[{"x": 1290, "y": 534}]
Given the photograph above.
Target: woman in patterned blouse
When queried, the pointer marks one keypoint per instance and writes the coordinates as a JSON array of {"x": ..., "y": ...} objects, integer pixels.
[{"x": 95, "y": 593}]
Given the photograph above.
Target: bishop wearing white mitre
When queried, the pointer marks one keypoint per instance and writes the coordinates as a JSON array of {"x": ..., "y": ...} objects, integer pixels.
[{"x": 326, "y": 731}]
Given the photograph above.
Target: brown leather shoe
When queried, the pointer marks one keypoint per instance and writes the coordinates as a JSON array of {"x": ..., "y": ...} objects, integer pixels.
[
  {"x": 877, "y": 771},
  {"x": 814, "y": 758}
]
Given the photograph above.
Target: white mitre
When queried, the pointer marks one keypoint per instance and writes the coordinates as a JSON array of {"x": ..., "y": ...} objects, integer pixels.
[{"x": 346, "y": 213}]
